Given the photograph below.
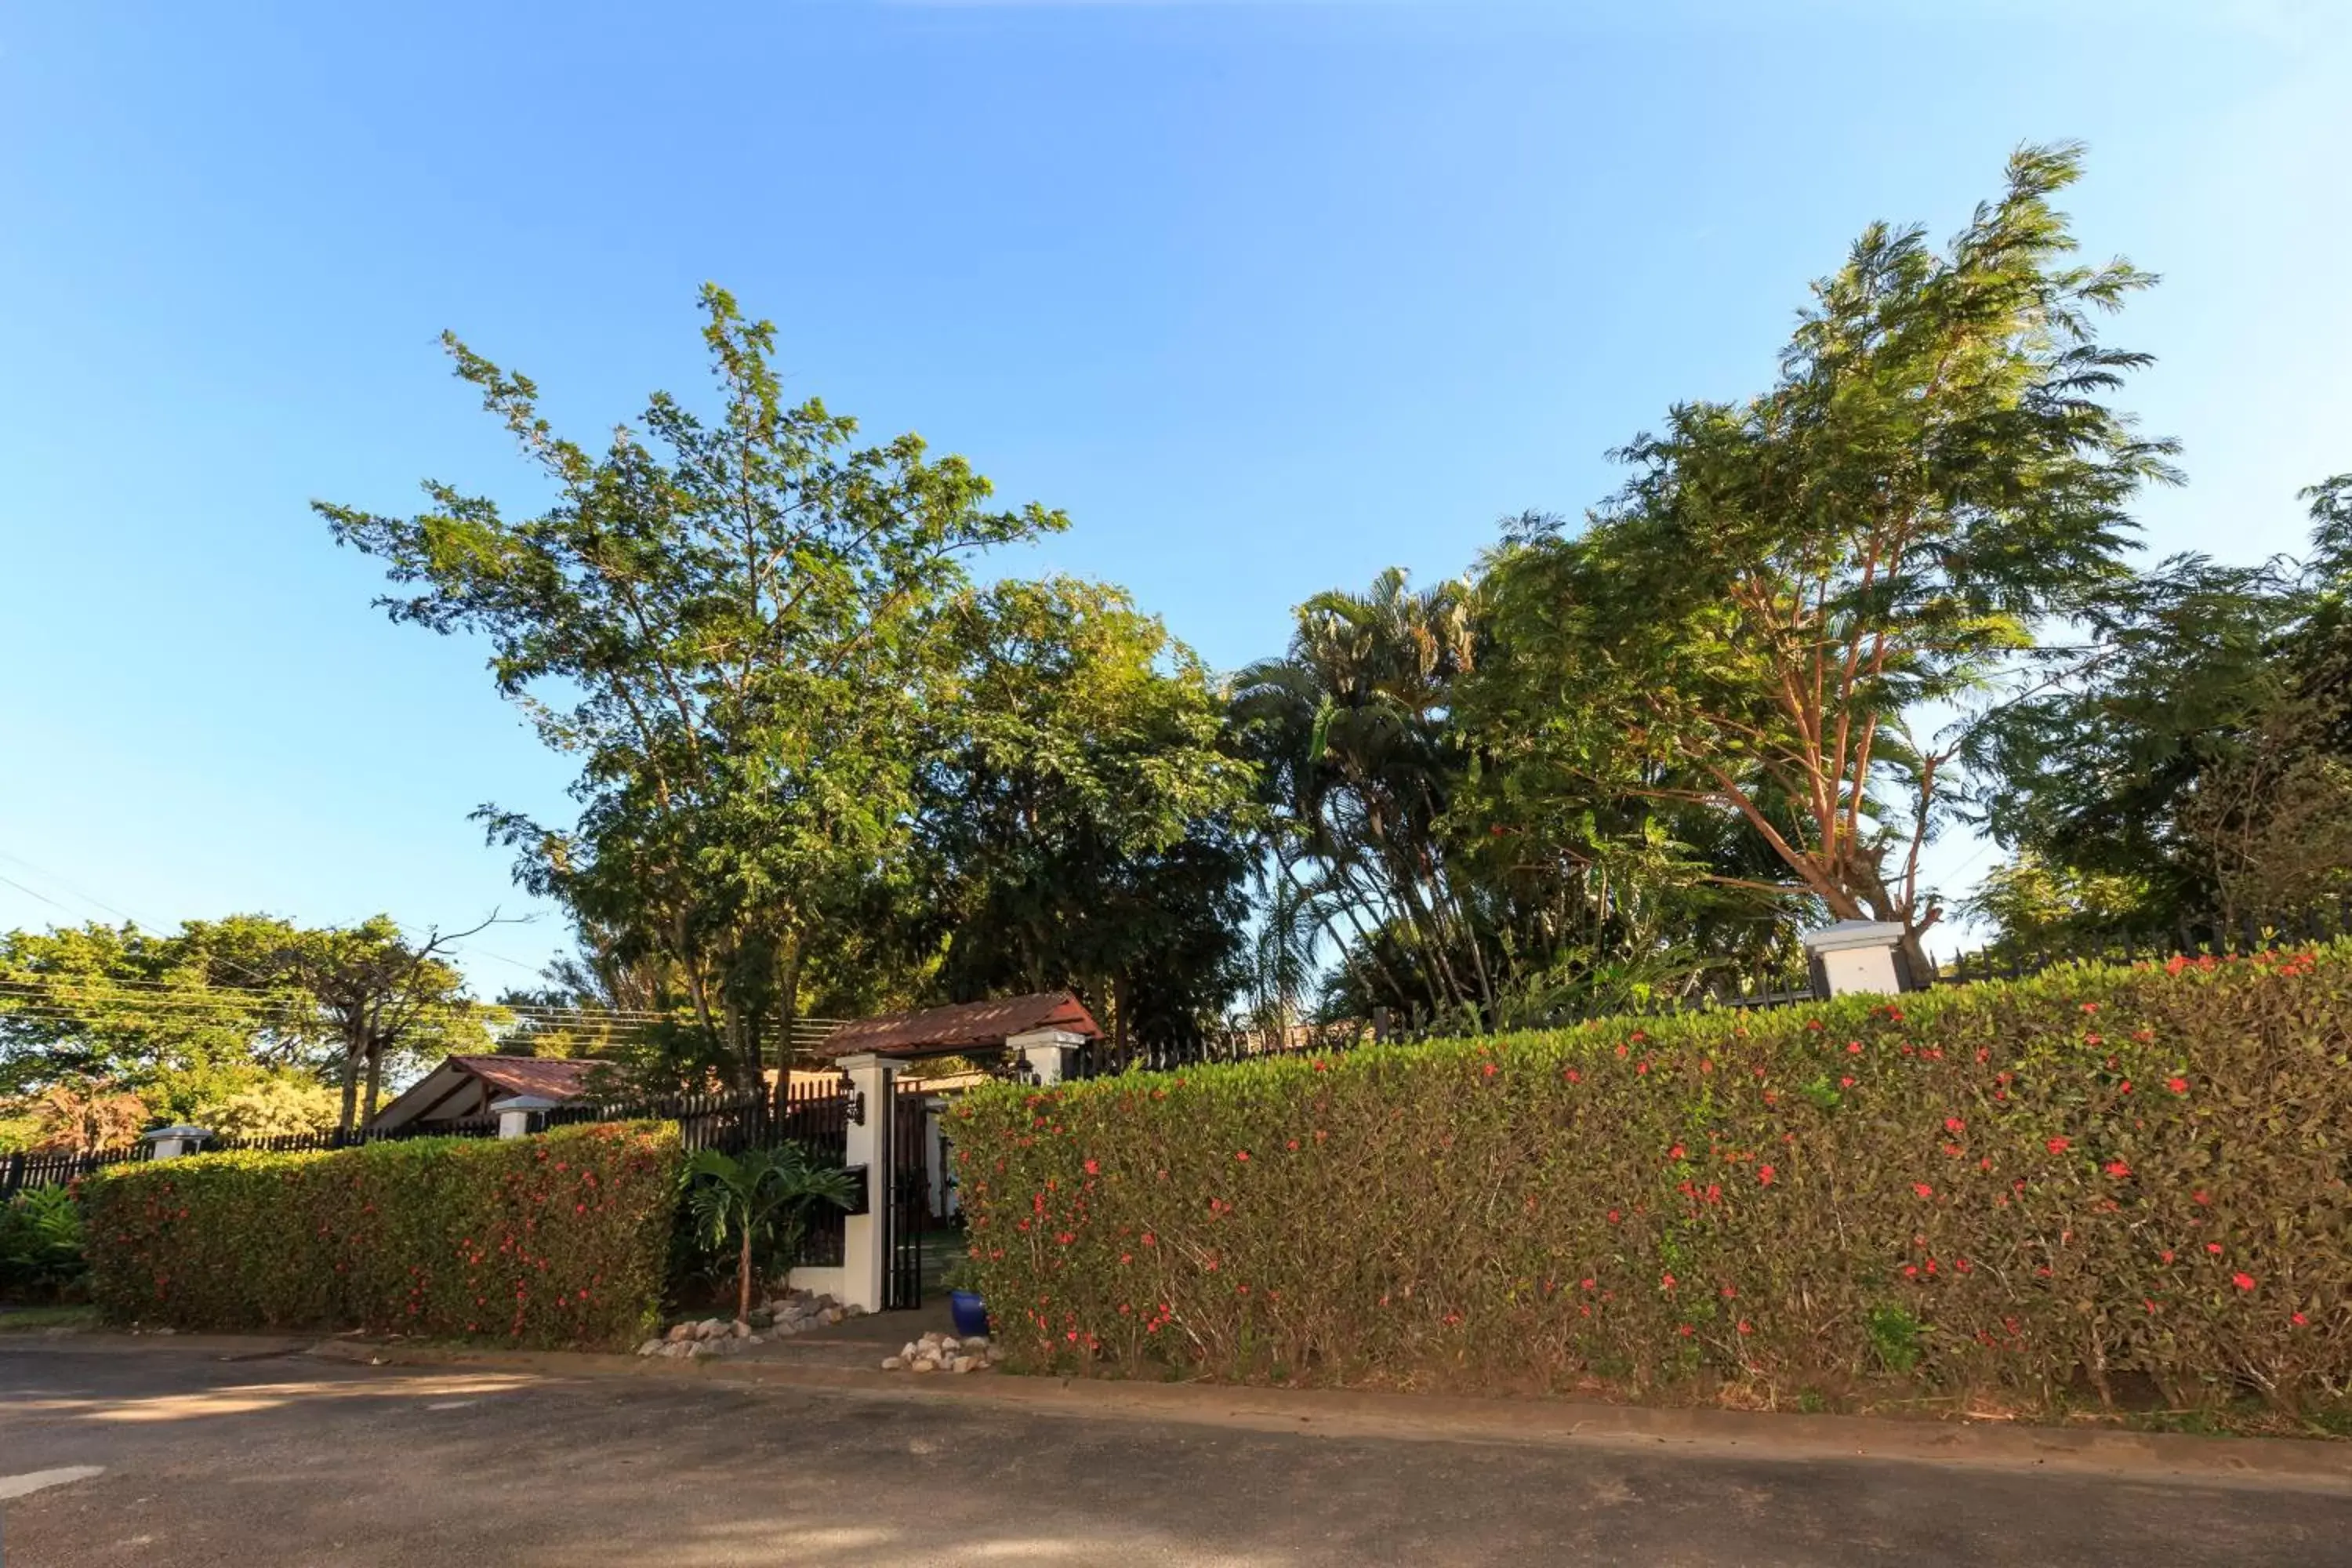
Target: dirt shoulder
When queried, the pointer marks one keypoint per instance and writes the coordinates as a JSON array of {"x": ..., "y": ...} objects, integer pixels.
[{"x": 2268, "y": 1463}]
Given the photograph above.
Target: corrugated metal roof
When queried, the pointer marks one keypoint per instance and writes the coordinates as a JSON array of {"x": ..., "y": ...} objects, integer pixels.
[
  {"x": 551, "y": 1078},
  {"x": 965, "y": 1026}
]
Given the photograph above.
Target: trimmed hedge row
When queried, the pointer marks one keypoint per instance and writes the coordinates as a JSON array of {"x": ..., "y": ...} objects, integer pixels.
[
  {"x": 559, "y": 1239},
  {"x": 2129, "y": 1183}
]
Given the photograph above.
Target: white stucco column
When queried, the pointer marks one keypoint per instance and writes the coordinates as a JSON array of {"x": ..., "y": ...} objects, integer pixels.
[
  {"x": 170, "y": 1142},
  {"x": 1856, "y": 958},
  {"x": 515, "y": 1112},
  {"x": 935, "y": 1160},
  {"x": 871, "y": 1077},
  {"x": 1049, "y": 1052}
]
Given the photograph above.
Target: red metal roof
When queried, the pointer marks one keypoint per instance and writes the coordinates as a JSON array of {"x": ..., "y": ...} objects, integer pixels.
[
  {"x": 965, "y": 1026},
  {"x": 551, "y": 1078}
]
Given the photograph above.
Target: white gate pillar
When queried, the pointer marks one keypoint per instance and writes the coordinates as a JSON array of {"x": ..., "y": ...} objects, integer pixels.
[
  {"x": 872, "y": 1081},
  {"x": 515, "y": 1113},
  {"x": 1049, "y": 1052},
  {"x": 171, "y": 1143},
  {"x": 1863, "y": 957}
]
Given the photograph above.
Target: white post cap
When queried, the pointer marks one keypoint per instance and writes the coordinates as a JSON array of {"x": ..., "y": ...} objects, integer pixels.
[{"x": 1854, "y": 933}]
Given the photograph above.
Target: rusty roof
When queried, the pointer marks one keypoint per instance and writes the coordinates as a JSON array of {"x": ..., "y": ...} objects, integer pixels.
[
  {"x": 965, "y": 1026},
  {"x": 549, "y": 1078}
]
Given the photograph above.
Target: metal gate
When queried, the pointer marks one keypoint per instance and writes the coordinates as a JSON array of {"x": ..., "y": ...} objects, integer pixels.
[{"x": 906, "y": 1213}]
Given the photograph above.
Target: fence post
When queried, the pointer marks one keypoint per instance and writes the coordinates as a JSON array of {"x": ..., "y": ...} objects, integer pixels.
[
  {"x": 1857, "y": 957},
  {"x": 515, "y": 1113},
  {"x": 1048, "y": 1051},
  {"x": 170, "y": 1142}
]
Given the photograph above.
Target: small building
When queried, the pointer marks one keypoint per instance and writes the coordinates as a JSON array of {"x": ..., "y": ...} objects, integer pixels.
[
  {"x": 964, "y": 1028},
  {"x": 464, "y": 1088}
]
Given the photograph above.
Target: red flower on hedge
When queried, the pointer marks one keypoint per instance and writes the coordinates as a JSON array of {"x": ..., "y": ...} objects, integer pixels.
[
  {"x": 1242, "y": 1154},
  {"x": 1923, "y": 1189},
  {"x": 2058, "y": 1145},
  {"x": 1675, "y": 1152},
  {"x": 2117, "y": 1169},
  {"x": 2176, "y": 1085},
  {"x": 2242, "y": 1281},
  {"x": 1093, "y": 1168},
  {"x": 1954, "y": 1124},
  {"x": 1764, "y": 1174},
  {"x": 2214, "y": 1247}
]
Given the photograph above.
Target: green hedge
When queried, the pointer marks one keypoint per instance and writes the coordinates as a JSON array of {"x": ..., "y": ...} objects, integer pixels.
[
  {"x": 555, "y": 1239},
  {"x": 2125, "y": 1182}
]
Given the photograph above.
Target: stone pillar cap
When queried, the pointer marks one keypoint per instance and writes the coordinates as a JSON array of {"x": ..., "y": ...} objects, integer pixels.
[
  {"x": 1854, "y": 933},
  {"x": 182, "y": 1132},
  {"x": 524, "y": 1102}
]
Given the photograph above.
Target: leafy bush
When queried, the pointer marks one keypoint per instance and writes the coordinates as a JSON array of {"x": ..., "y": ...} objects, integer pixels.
[
  {"x": 555, "y": 1239},
  {"x": 2103, "y": 1180},
  {"x": 40, "y": 1243},
  {"x": 755, "y": 1204}
]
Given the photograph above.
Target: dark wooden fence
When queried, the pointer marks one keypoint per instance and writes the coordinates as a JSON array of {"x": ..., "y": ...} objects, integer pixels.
[{"x": 20, "y": 1171}]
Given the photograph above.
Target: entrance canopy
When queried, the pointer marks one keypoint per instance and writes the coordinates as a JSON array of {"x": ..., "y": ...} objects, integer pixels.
[{"x": 963, "y": 1028}]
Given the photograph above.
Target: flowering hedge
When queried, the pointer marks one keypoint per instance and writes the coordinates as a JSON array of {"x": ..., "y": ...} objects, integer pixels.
[
  {"x": 2103, "y": 1181},
  {"x": 555, "y": 1239}
]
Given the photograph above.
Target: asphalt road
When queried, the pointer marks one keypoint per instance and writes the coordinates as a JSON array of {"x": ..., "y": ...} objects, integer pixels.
[{"x": 284, "y": 1459}]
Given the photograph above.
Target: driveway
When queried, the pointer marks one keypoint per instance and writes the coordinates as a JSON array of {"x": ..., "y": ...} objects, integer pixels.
[{"x": 280, "y": 1458}]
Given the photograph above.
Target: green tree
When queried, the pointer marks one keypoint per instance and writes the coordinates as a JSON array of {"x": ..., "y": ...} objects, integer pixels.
[
  {"x": 729, "y": 622},
  {"x": 758, "y": 1198},
  {"x": 273, "y": 1105},
  {"x": 2201, "y": 747},
  {"x": 2034, "y": 908},
  {"x": 167, "y": 1016},
  {"x": 192, "y": 1018},
  {"x": 384, "y": 998},
  {"x": 1079, "y": 816},
  {"x": 1789, "y": 589},
  {"x": 1357, "y": 761}
]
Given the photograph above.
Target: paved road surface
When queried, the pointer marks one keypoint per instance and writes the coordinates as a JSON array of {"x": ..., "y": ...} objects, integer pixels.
[{"x": 289, "y": 1460}]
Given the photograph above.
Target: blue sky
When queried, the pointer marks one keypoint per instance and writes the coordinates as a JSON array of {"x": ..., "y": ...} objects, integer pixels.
[{"x": 1268, "y": 297}]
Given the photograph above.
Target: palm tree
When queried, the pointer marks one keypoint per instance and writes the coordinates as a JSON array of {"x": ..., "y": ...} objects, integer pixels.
[
  {"x": 760, "y": 1193},
  {"x": 1352, "y": 732}
]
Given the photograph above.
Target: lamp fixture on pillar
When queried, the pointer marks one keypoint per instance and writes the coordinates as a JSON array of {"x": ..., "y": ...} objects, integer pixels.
[{"x": 856, "y": 1108}]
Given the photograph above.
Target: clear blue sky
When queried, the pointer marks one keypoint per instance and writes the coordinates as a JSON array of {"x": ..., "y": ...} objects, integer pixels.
[{"x": 1268, "y": 297}]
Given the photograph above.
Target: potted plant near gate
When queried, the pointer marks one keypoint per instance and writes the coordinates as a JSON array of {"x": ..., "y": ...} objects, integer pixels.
[{"x": 964, "y": 1302}]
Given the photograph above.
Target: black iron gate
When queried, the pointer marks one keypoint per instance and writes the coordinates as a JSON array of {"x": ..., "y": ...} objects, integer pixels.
[
  {"x": 903, "y": 1263},
  {"x": 907, "y": 1214}
]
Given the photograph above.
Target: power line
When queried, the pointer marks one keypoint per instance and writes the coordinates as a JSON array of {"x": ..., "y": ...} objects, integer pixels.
[
  {"x": 43, "y": 897},
  {"x": 226, "y": 993}
]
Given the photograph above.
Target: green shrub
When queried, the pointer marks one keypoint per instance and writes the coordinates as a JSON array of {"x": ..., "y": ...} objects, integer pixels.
[
  {"x": 556, "y": 1239},
  {"x": 40, "y": 1244},
  {"x": 2033, "y": 1188}
]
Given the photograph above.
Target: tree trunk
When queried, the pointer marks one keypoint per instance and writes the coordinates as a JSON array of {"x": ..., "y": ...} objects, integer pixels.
[
  {"x": 350, "y": 1084},
  {"x": 744, "y": 1276},
  {"x": 1118, "y": 1027},
  {"x": 788, "y": 1007},
  {"x": 374, "y": 1081}
]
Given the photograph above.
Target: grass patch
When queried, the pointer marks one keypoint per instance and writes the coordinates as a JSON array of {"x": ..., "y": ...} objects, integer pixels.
[{"x": 25, "y": 1320}]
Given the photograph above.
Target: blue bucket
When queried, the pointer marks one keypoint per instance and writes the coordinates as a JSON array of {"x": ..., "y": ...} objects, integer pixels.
[{"x": 969, "y": 1311}]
